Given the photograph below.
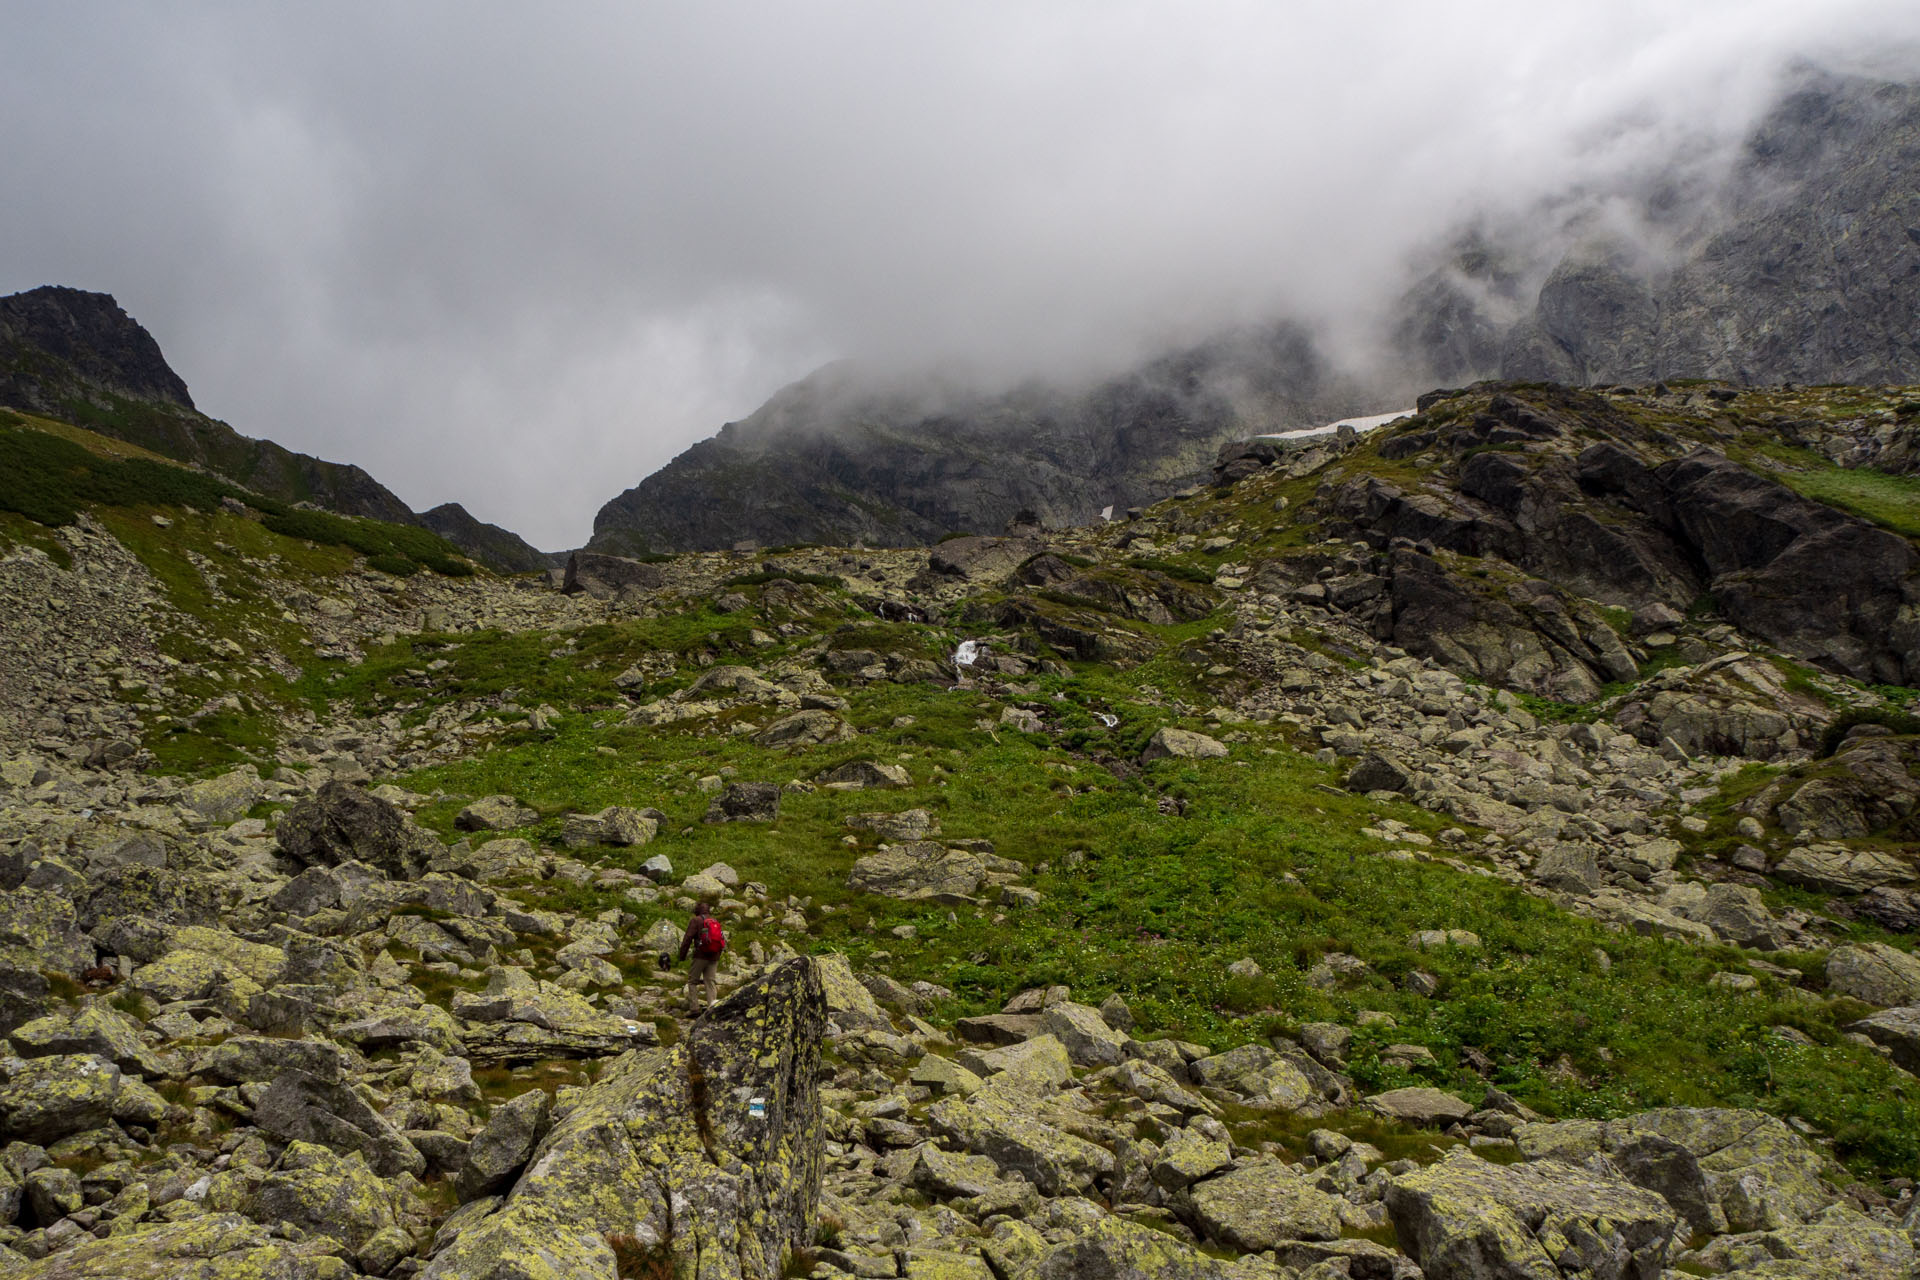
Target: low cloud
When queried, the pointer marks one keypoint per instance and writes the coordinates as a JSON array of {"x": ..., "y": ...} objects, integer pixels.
[{"x": 520, "y": 258}]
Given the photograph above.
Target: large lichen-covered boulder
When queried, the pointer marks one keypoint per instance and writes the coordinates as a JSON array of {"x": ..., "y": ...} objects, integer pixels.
[
  {"x": 495, "y": 813},
  {"x": 1037, "y": 1066},
  {"x": 324, "y": 1194},
  {"x": 1255, "y": 1208},
  {"x": 45, "y": 1099},
  {"x": 812, "y": 728},
  {"x": 521, "y": 1019},
  {"x": 1001, "y": 1125},
  {"x": 212, "y": 1246},
  {"x": 745, "y": 802},
  {"x": 298, "y": 1107},
  {"x": 342, "y": 822},
  {"x": 501, "y": 1149},
  {"x": 710, "y": 1149},
  {"x": 615, "y": 824},
  {"x": 1463, "y": 1218},
  {"x": 1840, "y": 1244},
  {"x": 1722, "y": 1169},
  {"x": 946, "y": 1175},
  {"x": 1089, "y": 1040},
  {"x": 1835, "y": 868},
  {"x": 1419, "y": 1105},
  {"x": 1182, "y": 744},
  {"x": 1255, "y": 1075},
  {"x": 849, "y": 1004},
  {"x": 38, "y": 931},
  {"x": 1897, "y": 1031},
  {"x": 225, "y": 798},
  {"x": 98, "y": 1029}
]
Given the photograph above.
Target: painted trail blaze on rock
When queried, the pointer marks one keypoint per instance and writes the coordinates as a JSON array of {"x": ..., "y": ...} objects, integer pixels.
[{"x": 710, "y": 1149}]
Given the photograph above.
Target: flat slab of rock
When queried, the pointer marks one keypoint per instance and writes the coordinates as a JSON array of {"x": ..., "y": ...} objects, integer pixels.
[
  {"x": 919, "y": 869},
  {"x": 998, "y": 1028},
  {"x": 1838, "y": 869},
  {"x": 1182, "y": 744},
  {"x": 1007, "y": 1132},
  {"x": 1125, "y": 1250},
  {"x": 495, "y": 813},
  {"x": 1420, "y": 1106},
  {"x": 906, "y": 825},
  {"x": 217, "y": 1246},
  {"x": 862, "y": 775}
]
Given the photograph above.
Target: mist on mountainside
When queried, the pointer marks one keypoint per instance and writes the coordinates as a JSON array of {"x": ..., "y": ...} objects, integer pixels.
[{"x": 521, "y": 262}]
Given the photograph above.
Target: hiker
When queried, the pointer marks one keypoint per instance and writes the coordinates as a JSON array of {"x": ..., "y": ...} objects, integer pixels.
[{"x": 706, "y": 941}]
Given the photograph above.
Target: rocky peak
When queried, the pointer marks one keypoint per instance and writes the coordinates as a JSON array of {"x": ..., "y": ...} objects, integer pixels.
[{"x": 55, "y": 340}]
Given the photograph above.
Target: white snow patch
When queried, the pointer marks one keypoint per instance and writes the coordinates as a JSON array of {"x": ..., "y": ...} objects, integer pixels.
[{"x": 1358, "y": 424}]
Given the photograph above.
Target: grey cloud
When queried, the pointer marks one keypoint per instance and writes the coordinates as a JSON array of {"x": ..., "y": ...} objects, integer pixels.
[{"x": 520, "y": 258}]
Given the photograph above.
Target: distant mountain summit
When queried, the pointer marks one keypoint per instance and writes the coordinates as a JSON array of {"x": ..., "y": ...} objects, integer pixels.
[
  {"x": 77, "y": 356},
  {"x": 57, "y": 343}
]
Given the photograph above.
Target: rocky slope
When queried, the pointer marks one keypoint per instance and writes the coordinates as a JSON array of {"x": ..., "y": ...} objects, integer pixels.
[
  {"x": 1331, "y": 873},
  {"x": 76, "y": 356}
]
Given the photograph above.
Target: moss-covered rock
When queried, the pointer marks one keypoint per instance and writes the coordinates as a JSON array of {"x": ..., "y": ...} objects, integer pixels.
[{"x": 1841, "y": 1243}]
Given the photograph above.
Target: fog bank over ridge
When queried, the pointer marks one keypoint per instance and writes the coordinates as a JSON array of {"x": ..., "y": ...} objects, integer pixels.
[{"x": 524, "y": 262}]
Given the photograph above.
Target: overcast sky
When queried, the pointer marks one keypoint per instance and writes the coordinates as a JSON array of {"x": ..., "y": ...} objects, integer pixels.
[{"x": 519, "y": 256}]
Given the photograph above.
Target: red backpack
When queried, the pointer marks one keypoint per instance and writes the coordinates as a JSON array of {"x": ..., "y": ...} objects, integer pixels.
[{"x": 710, "y": 942}]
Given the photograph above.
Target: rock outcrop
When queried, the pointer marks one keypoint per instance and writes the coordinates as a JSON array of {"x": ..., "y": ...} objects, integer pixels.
[{"x": 708, "y": 1152}]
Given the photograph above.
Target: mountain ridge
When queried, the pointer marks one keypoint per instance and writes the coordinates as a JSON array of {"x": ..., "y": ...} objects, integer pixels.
[{"x": 77, "y": 356}]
